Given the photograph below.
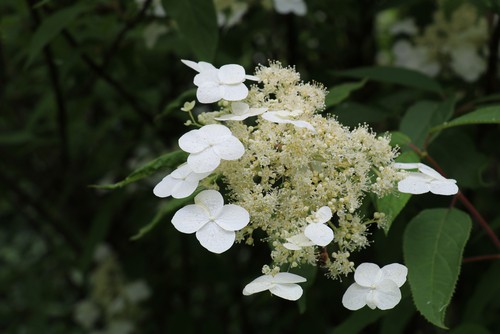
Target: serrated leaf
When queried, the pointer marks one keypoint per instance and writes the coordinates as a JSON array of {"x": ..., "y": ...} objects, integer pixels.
[
  {"x": 422, "y": 116},
  {"x": 197, "y": 23},
  {"x": 486, "y": 115},
  {"x": 168, "y": 208},
  {"x": 341, "y": 92},
  {"x": 167, "y": 161},
  {"x": 433, "y": 245},
  {"x": 392, "y": 204},
  {"x": 51, "y": 27},
  {"x": 395, "y": 75}
]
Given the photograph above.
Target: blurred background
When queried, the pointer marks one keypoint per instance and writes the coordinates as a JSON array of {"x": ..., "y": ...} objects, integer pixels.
[{"x": 92, "y": 90}]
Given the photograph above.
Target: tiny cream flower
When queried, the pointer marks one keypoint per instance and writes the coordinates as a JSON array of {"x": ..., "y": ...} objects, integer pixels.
[
  {"x": 208, "y": 145},
  {"x": 283, "y": 285},
  {"x": 214, "y": 223},
  {"x": 283, "y": 116},
  {"x": 319, "y": 233},
  {"x": 216, "y": 84},
  {"x": 427, "y": 179},
  {"x": 297, "y": 7},
  {"x": 241, "y": 111},
  {"x": 375, "y": 287},
  {"x": 181, "y": 183}
]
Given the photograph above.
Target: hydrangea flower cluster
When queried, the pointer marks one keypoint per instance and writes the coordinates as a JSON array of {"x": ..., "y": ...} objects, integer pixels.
[
  {"x": 448, "y": 45},
  {"x": 289, "y": 171}
]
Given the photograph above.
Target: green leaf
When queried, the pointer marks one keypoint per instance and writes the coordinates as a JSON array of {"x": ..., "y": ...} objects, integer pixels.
[
  {"x": 167, "y": 161},
  {"x": 486, "y": 115},
  {"x": 341, "y": 92},
  {"x": 395, "y": 75},
  {"x": 422, "y": 116},
  {"x": 433, "y": 244},
  {"x": 51, "y": 27},
  {"x": 484, "y": 296},
  {"x": 197, "y": 23},
  {"x": 168, "y": 208},
  {"x": 399, "y": 139},
  {"x": 392, "y": 204}
]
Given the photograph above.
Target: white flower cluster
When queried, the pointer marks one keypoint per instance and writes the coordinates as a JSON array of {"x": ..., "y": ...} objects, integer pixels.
[
  {"x": 290, "y": 172},
  {"x": 448, "y": 45}
]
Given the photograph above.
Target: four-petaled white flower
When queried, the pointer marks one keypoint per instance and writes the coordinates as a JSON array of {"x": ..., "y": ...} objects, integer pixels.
[
  {"x": 214, "y": 223},
  {"x": 241, "y": 111},
  {"x": 216, "y": 84},
  {"x": 284, "y": 116},
  {"x": 427, "y": 179},
  {"x": 208, "y": 145},
  {"x": 181, "y": 183},
  {"x": 283, "y": 285},
  {"x": 316, "y": 233},
  {"x": 297, "y": 7},
  {"x": 375, "y": 287}
]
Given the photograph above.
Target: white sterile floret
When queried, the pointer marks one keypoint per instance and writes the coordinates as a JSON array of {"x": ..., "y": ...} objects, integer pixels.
[
  {"x": 283, "y": 285},
  {"x": 317, "y": 231},
  {"x": 297, "y": 7},
  {"x": 427, "y": 179},
  {"x": 181, "y": 183},
  {"x": 240, "y": 112},
  {"x": 216, "y": 84},
  {"x": 214, "y": 223},
  {"x": 208, "y": 145},
  {"x": 296, "y": 242},
  {"x": 283, "y": 116},
  {"x": 375, "y": 287}
]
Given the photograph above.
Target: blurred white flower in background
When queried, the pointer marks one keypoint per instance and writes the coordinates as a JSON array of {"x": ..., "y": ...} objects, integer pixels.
[
  {"x": 297, "y": 7},
  {"x": 414, "y": 57},
  {"x": 467, "y": 63}
]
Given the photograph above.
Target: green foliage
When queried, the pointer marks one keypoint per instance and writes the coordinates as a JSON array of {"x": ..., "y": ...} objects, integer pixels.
[
  {"x": 339, "y": 93},
  {"x": 433, "y": 244},
  {"x": 166, "y": 161},
  {"x": 485, "y": 115},
  {"x": 394, "y": 75},
  {"x": 197, "y": 22}
]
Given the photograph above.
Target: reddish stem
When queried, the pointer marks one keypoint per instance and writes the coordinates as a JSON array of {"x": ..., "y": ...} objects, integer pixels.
[
  {"x": 481, "y": 258},
  {"x": 460, "y": 196}
]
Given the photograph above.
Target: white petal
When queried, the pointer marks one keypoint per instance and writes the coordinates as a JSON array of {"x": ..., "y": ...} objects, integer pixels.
[
  {"x": 413, "y": 185},
  {"x": 182, "y": 171},
  {"x": 164, "y": 187},
  {"x": 206, "y": 78},
  {"x": 211, "y": 200},
  {"x": 191, "y": 142},
  {"x": 231, "y": 74},
  {"x": 214, "y": 133},
  {"x": 287, "y": 291},
  {"x": 272, "y": 116},
  {"x": 191, "y": 64},
  {"x": 234, "y": 92},
  {"x": 230, "y": 149},
  {"x": 300, "y": 240},
  {"x": 184, "y": 188},
  {"x": 232, "y": 117},
  {"x": 447, "y": 187},
  {"x": 430, "y": 172},
  {"x": 302, "y": 124},
  {"x": 204, "y": 162},
  {"x": 204, "y": 66},
  {"x": 214, "y": 238},
  {"x": 259, "y": 284},
  {"x": 287, "y": 278},
  {"x": 406, "y": 165},
  {"x": 319, "y": 233},
  {"x": 190, "y": 218},
  {"x": 209, "y": 93},
  {"x": 367, "y": 274},
  {"x": 355, "y": 297},
  {"x": 386, "y": 295},
  {"x": 239, "y": 108},
  {"x": 323, "y": 214},
  {"x": 395, "y": 272},
  {"x": 233, "y": 217},
  {"x": 291, "y": 246},
  {"x": 252, "y": 77}
]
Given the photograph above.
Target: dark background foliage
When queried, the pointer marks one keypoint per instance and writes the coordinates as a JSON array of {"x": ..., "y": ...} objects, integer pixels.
[{"x": 85, "y": 102}]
